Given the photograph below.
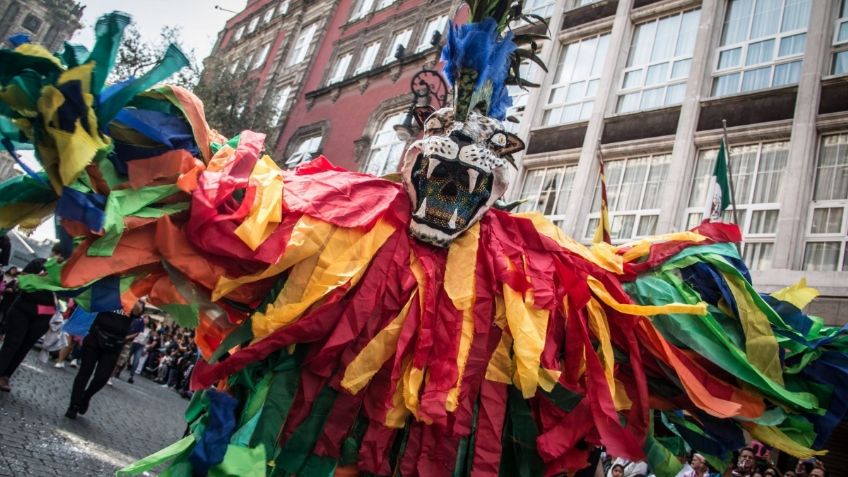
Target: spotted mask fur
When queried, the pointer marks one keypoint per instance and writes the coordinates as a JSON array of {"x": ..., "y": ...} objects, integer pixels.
[{"x": 455, "y": 173}]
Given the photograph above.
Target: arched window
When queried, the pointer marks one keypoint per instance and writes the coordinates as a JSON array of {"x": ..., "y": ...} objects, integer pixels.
[{"x": 387, "y": 148}]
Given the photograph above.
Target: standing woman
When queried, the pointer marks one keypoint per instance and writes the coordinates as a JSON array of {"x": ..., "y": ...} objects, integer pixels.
[
  {"x": 27, "y": 319},
  {"x": 100, "y": 350}
]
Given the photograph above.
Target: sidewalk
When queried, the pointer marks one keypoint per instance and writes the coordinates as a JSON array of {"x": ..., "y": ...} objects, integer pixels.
[{"x": 125, "y": 422}]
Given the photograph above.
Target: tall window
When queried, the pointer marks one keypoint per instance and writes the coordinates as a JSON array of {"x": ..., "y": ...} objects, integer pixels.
[
  {"x": 305, "y": 151},
  {"x": 757, "y": 172},
  {"x": 400, "y": 39},
  {"x": 269, "y": 14},
  {"x": 251, "y": 27},
  {"x": 634, "y": 189},
  {"x": 239, "y": 33},
  {"x": 366, "y": 61},
  {"x": 580, "y": 3},
  {"x": 762, "y": 45},
  {"x": 283, "y": 8},
  {"x": 384, "y": 3},
  {"x": 546, "y": 190},
  {"x": 387, "y": 148},
  {"x": 840, "y": 42},
  {"x": 575, "y": 85},
  {"x": 340, "y": 69},
  {"x": 260, "y": 57},
  {"x": 543, "y": 8},
  {"x": 435, "y": 25},
  {"x": 530, "y": 72},
  {"x": 281, "y": 103},
  {"x": 827, "y": 229},
  {"x": 659, "y": 62},
  {"x": 301, "y": 45},
  {"x": 360, "y": 9}
]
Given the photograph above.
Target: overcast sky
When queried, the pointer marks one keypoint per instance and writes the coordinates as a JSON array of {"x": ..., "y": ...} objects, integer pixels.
[{"x": 199, "y": 20}]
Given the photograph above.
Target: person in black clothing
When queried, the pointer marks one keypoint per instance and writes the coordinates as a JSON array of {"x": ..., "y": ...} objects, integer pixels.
[
  {"x": 100, "y": 351},
  {"x": 27, "y": 319}
]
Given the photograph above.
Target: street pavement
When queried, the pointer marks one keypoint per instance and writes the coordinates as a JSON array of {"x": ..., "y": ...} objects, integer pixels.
[{"x": 124, "y": 423}]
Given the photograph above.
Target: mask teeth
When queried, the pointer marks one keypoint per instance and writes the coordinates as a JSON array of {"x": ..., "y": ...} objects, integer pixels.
[
  {"x": 421, "y": 210},
  {"x": 432, "y": 166},
  {"x": 452, "y": 221},
  {"x": 473, "y": 175}
]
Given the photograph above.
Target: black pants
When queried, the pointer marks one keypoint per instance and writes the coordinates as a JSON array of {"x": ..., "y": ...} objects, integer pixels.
[
  {"x": 22, "y": 331},
  {"x": 96, "y": 360}
]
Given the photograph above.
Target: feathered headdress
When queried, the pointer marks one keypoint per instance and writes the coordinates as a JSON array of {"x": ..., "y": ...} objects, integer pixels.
[{"x": 481, "y": 58}]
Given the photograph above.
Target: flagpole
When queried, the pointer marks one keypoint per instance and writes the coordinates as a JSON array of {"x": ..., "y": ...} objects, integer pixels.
[
  {"x": 730, "y": 182},
  {"x": 729, "y": 172}
]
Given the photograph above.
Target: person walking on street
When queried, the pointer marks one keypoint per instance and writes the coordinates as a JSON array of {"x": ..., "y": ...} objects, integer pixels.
[
  {"x": 100, "y": 350},
  {"x": 28, "y": 319},
  {"x": 138, "y": 344}
]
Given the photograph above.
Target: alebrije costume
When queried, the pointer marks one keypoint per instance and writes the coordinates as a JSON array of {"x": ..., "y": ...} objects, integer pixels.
[{"x": 348, "y": 323}]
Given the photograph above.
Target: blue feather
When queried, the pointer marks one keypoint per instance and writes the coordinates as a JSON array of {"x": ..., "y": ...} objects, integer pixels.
[{"x": 476, "y": 46}]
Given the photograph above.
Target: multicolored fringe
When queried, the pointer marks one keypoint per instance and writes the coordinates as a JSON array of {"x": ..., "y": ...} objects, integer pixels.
[{"x": 333, "y": 341}]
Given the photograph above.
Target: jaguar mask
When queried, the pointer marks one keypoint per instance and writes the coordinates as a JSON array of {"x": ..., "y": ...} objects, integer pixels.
[{"x": 455, "y": 173}]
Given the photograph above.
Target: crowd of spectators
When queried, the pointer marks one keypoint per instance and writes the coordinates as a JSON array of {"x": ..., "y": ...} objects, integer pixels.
[{"x": 752, "y": 461}]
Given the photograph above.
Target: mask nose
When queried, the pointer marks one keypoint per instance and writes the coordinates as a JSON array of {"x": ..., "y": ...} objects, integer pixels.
[{"x": 461, "y": 138}]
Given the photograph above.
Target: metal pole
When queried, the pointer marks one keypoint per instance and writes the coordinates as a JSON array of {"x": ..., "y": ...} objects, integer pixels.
[{"x": 730, "y": 180}]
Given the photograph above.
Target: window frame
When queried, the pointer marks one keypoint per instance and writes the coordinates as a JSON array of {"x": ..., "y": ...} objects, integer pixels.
[
  {"x": 269, "y": 15},
  {"x": 639, "y": 214},
  {"x": 668, "y": 82},
  {"x": 390, "y": 55},
  {"x": 306, "y": 35},
  {"x": 839, "y": 47},
  {"x": 839, "y": 237},
  {"x": 427, "y": 35},
  {"x": 386, "y": 128},
  {"x": 297, "y": 157},
  {"x": 370, "y": 52},
  {"x": 261, "y": 56},
  {"x": 254, "y": 22},
  {"x": 554, "y": 197},
  {"x": 239, "y": 33},
  {"x": 694, "y": 214},
  {"x": 550, "y": 106},
  {"x": 336, "y": 75},
  {"x": 280, "y": 103},
  {"x": 741, "y": 68},
  {"x": 283, "y": 8}
]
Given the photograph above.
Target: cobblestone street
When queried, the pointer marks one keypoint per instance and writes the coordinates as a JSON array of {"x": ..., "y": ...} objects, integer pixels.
[{"x": 125, "y": 422}]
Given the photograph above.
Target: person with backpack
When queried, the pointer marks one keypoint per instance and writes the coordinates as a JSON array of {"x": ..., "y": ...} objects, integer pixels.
[
  {"x": 100, "y": 351},
  {"x": 28, "y": 318}
]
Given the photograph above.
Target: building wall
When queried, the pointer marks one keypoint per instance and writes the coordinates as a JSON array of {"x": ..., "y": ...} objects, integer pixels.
[
  {"x": 275, "y": 24},
  {"x": 348, "y": 113},
  {"x": 788, "y": 128},
  {"x": 48, "y": 22}
]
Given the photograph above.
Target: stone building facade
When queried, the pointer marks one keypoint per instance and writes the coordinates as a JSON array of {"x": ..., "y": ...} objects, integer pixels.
[
  {"x": 648, "y": 83},
  {"x": 48, "y": 22}
]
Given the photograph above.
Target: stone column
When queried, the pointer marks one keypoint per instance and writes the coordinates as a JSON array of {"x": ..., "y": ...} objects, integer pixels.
[
  {"x": 797, "y": 183},
  {"x": 536, "y": 97},
  {"x": 675, "y": 192},
  {"x": 587, "y": 168}
]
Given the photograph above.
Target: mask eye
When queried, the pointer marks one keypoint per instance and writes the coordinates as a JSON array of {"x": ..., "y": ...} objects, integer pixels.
[
  {"x": 433, "y": 124},
  {"x": 498, "y": 139}
]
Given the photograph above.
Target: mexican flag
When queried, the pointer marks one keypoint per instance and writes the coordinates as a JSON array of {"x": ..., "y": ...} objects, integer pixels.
[{"x": 718, "y": 191}]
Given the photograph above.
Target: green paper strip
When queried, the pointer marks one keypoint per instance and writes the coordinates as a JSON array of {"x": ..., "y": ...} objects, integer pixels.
[
  {"x": 704, "y": 335},
  {"x": 297, "y": 450},
  {"x": 520, "y": 456},
  {"x": 184, "y": 315},
  {"x": 157, "y": 458},
  {"x": 661, "y": 461},
  {"x": 241, "y": 462},
  {"x": 122, "y": 203},
  {"x": 173, "y": 61},
  {"x": 109, "y": 30}
]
